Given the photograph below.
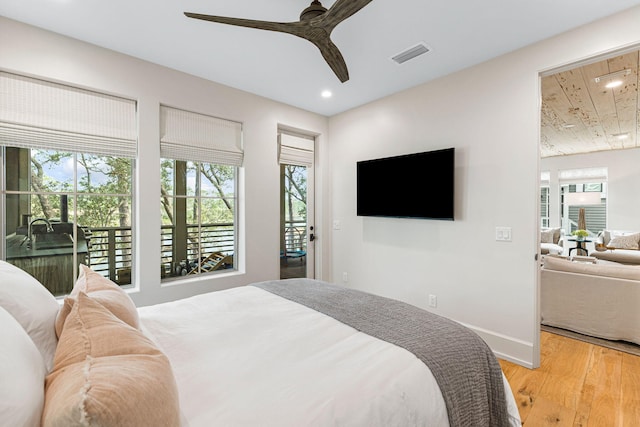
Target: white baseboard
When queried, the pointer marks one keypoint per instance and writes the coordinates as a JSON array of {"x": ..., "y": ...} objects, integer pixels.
[{"x": 507, "y": 348}]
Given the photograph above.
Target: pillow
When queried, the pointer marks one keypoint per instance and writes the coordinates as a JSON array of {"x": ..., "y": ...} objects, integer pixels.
[
  {"x": 22, "y": 371},
  {"x": 103, "y": 290},
  {"x": 108, "y": 373},
  {"x": 546, "y": 236},
  {"x": 33, "y": 306},
  {"x": 550, "y": 235},
  {"x": 606, "y": 236},
  {"x": 629, "y": 241}
]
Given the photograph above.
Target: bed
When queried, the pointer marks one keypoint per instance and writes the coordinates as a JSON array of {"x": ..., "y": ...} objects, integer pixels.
[{"x": 280, "y": 353}]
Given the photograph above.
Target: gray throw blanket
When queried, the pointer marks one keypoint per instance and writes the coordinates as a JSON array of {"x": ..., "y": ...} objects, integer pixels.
[{"x": 465, "y": 368}]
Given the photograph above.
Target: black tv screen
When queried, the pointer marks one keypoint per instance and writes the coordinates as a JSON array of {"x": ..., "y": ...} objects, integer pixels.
[{"x": 416, "y": 185}]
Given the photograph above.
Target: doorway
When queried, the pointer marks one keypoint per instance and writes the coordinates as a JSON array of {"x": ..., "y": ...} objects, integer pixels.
[
  {"x": 589, "y": 151},
  {"x": 296, "y": 157}
]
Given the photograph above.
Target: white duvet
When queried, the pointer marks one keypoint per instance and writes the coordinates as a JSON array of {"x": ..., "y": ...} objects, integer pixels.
[{"x": 246, "y": 357}]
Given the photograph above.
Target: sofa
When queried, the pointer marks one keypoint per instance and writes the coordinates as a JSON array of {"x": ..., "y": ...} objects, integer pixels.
[
  {"x": 600, "y": 299},
  {"x": 551, "y": 241},
  {"x": 618, "y": 246}
]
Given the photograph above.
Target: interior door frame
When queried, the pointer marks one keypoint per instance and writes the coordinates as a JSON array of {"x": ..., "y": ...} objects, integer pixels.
[{"x": 569, "y": 65}]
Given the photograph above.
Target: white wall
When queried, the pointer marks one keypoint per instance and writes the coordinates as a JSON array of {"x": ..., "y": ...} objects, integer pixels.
[
  {"x": 32, "y": 51},
  {"x": 490, "y": 114},
  {"x": 623, "y": 168}
]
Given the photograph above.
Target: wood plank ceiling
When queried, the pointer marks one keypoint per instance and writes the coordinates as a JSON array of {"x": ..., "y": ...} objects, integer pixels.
[{"x": 580, "y": 115}]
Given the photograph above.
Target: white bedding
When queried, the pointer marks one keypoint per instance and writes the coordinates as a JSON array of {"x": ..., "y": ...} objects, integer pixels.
[{"x": 246, "y": 357}]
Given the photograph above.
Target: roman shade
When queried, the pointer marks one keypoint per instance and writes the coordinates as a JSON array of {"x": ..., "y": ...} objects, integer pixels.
[
  {"x": 188, "y": 136},
  {"x": 295, "y": 149},
  {"x": 41, "y": 114},
  {"x": 582, "y": 176}
]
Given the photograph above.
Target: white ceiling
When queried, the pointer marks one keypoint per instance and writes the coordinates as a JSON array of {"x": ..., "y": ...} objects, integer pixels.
[{"x": 291, "y": 70}]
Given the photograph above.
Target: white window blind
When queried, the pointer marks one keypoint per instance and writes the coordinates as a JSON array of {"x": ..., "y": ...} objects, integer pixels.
[
  {"x": 40, "y": 114},
  {"x": 582, "y": 176},
  {"x": 185, "y": 135},
  {"x": 545, "y": 178},
  {"x": 295, "y": 150}
]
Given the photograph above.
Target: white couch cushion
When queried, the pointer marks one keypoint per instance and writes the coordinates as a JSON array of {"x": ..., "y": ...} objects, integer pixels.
[
  {"x": 620, "y": 271},
  {"x": 550, "y": 248}
]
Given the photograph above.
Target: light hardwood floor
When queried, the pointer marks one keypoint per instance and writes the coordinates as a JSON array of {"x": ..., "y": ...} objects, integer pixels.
[{"x": 577, "y": 385}]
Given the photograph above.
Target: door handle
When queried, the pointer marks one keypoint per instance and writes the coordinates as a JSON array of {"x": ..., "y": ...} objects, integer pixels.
[{"x": 312, "y": 237}]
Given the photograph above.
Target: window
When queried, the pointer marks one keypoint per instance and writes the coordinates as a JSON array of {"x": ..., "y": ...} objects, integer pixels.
[
  {"x": 68, "y": 156},
  {"x": 199, "y": 169},
  {"x": 545, "y": 179},
  {"x": 544, "y": 206},
  {"x": 594, "y": 203},
  {"x": 583, "y": 190}
]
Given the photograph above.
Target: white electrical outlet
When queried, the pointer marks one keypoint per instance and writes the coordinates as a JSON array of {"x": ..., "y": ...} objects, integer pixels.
[
  {"x": 345, "y": 277},
  {"x": 433, "y": 301},
  {"x": 336, "y": 224}
]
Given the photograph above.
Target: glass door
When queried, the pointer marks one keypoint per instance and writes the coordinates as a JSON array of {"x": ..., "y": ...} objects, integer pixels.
[{"x": 297, "y": 233}]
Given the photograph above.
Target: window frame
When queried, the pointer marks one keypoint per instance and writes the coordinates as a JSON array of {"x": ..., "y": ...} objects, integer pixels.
[{"x": 180, "y": 268}]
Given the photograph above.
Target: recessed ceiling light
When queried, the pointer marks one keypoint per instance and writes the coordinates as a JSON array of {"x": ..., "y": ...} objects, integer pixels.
[
  {"x": 326, "y": 94},
  {"x": 613, "y": 83},
  {"x": 623, "y": 135},
  {"x": 613, "y": 79}
]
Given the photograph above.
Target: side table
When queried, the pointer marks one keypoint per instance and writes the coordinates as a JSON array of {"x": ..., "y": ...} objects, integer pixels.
[{"x": 580, "y": 246}]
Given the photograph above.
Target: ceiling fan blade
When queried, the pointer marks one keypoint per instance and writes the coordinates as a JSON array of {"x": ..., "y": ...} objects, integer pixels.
[
  {"x": 316, "y": 30},
  {"x": 283, "y": 27},
  {"x": 341, "y": 10},
  {"x": 332, "y": 55}
]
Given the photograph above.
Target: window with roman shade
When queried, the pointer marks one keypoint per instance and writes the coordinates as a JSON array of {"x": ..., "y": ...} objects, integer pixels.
[
  {"x": 200, "y": 157},
  {"x": 67, "y": 189}
]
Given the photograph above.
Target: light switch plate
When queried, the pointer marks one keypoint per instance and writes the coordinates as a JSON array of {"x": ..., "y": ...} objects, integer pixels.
[{"x": 503, "y": 234}]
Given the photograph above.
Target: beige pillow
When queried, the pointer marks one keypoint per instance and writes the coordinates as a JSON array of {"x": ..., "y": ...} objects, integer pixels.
[
  {"x": 108, "y": 373},
  {"x": 629, "y": 241},
  {"x": 550, "y": 235},
  {"x": 546, "y": 236},
  {"x": 103, "y": 290}
]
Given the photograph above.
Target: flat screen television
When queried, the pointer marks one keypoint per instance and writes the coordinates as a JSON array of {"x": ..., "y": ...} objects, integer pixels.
[{"x": 416, "y": 185}]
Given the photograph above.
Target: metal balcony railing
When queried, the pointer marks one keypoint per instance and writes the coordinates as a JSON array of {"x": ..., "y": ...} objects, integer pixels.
[
  {"x": 110, "y": 252},
  {"x": 295, "y": 239},
  {"x": 201, "y": 241},
  {"x": 110, "y": 248}
]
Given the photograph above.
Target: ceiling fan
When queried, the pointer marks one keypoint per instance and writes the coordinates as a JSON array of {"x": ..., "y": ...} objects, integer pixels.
[{"x": 315, "y": 24}]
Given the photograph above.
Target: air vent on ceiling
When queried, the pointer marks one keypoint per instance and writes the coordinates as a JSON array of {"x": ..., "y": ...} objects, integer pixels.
[{"x": 410, "y": 53}]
